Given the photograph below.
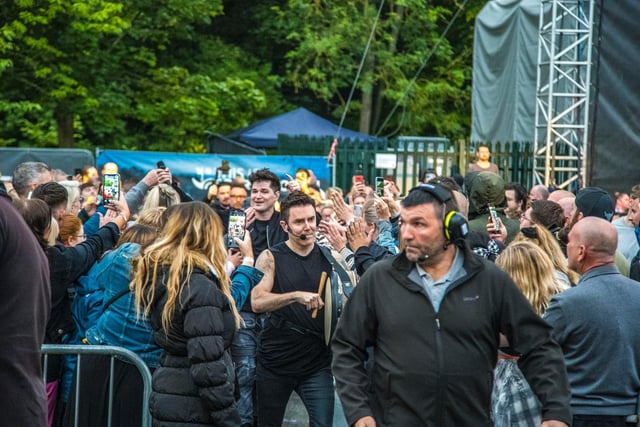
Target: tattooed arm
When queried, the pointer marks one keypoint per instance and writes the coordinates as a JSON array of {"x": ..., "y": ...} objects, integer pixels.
[{"x": 262, "y": 297}]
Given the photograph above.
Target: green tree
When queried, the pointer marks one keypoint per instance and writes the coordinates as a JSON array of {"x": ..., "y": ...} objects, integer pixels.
[
  {"x": 131, "y": 75},
  {"x": 325, "y": 41}
]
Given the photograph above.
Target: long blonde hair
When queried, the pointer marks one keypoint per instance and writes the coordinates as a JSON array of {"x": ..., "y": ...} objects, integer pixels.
[
  {"x": 548, "y": 243},
  {"x": 532, "y": 271},
  {"x": 160, "y": 195},
  {"x": 191, "y": 238}
]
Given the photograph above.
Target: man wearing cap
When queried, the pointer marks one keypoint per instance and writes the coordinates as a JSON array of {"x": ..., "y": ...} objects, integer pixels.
[
  {"x": 596, "y": 323},
  {"x": 594, "y": 202}
]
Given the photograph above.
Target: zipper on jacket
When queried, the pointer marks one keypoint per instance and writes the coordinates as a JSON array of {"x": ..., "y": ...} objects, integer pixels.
[
  {"x": 440, "y": 381},
  {"x": 268, "y": 243}
]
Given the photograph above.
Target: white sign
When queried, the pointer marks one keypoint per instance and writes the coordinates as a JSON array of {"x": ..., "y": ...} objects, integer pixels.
[{"x": 386, "y": 160}]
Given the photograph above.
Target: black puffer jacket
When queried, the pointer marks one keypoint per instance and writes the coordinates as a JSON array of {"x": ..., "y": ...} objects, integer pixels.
[{"x": 194, "y": 385}]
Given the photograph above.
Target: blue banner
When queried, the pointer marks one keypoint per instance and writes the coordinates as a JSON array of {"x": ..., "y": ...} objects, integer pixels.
[{"x": 196, "y": 172}]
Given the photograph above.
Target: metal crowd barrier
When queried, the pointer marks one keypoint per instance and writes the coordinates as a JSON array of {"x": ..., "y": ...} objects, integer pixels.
[{"x": 104, "y": 350}]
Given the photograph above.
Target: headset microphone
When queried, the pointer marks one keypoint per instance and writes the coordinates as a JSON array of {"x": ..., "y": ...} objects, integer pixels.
[
  {"x": 423, "y": 257},
  {"x": 299, "y": 236}
]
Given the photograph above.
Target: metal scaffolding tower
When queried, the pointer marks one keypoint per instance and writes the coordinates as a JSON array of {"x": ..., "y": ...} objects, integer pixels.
[{"x": 562, "y": 92}]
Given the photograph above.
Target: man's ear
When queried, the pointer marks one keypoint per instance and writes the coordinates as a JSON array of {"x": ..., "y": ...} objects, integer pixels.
[
  {"x": 582, "y": 250},
  {"x": 284, "y": 226}
]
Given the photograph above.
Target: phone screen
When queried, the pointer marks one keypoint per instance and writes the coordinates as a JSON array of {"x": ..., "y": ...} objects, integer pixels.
[
  {"x": 110, "y": 188},
  {"x": 236, "y": 227},
  {"x": 494, "y": 218},
  {"x": 380, "y": 186}
]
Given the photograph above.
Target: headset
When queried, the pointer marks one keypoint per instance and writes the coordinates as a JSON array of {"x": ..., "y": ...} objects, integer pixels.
[{"x": 455, "y": 225}]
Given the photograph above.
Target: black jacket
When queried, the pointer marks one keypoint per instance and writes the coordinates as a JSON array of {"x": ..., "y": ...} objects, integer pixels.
[
  {"x": 194, "y": 384},
  {"x": 66, "y": 265},
  {"x": 436, "y": 369},
  {"x": 366, "y": 256},
  {"x": 26, "y": 300}
]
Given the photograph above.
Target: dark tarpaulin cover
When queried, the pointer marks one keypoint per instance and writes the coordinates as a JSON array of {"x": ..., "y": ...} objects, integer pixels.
[
  {"x": 615, "y": 100},
  {"x": 505, "y": 57},
  {"x": 66, "y": 159}
]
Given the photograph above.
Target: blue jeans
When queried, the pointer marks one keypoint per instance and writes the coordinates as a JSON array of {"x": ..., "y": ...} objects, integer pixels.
[
  {"x": 243, "y": 353},
  {"x": 316, "y": 392}
]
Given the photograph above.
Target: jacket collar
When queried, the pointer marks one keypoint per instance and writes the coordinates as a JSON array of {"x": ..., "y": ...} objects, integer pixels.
[
  {"x": 402, "y": 268},
  {"x": 599, "y": 271}
]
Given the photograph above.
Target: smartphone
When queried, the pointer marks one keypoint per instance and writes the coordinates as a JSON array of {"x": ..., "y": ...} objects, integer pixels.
[
  {"x": 236, "y": 227},
  {"x": 110, "y": 187},
  {"x": 380, "y": 186},
  {"x": 357, "y": 210},
  {"x": 161, "y": 165},
  {"x": 494, "y": 218},
  {"x": 358, "y": 178}
]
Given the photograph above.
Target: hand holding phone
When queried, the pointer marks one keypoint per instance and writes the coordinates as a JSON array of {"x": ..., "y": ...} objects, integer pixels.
[
  {"x": 494, "y": 218},
  {"x": 236, "y": 228},
  {"x": 110, "y": 188},
  {"x": 380, "y": 186},
  {"x": 358, "y": 179}
]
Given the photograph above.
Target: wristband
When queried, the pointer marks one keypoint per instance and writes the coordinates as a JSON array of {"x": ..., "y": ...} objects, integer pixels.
[{"x": 248, "y": 259}]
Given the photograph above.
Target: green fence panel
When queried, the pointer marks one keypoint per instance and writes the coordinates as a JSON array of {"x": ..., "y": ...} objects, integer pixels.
[{"x": 414, "y": 156}]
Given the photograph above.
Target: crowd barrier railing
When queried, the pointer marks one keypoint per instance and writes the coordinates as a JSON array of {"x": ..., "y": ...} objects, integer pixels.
[{"x": 103, "y": 350}]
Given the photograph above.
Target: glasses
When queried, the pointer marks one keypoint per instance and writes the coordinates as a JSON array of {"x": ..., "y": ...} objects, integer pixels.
[{"x": 81, "y": 236}]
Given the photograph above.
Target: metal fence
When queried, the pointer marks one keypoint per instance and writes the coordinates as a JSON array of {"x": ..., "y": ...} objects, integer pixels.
[
  {"x": 413, "y": 157},
  {"x": 103, "y": 350}
]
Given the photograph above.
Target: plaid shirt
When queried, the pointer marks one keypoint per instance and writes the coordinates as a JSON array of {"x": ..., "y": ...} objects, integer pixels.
[{"x": 513, "y": 403}]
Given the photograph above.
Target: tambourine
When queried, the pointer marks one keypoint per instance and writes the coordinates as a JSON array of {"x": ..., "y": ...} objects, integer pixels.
[
  {"x": 332, "y": 308},
  {"x": 336, "y": 292}
]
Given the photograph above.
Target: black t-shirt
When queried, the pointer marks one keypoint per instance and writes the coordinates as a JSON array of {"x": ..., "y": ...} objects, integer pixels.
[
  {"x": 301, "y": 350},
  {"x": 264, "y": 235}
]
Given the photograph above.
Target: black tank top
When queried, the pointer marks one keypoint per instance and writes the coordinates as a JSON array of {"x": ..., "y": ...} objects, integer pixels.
[{"x": 284, "y": 347}]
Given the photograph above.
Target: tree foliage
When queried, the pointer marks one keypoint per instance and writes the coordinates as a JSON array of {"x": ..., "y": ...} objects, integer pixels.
[{"x": 145, "y": 75}]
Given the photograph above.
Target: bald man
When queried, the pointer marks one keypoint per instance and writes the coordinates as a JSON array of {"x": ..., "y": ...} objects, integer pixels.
[
  {"x": 538, "y": 192},
  {"x": 556, "y": 195},
  {"x": 568, "y": 205},
  {"x": 596, "y": 323}
]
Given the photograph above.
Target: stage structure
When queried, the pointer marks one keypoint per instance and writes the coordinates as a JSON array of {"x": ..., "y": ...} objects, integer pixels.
[
  {"x": 561, "y": 152},
  {"x": 562, "y": 74}
]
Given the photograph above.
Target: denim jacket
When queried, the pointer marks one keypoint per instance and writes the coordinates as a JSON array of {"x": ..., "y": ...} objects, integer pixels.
[{"x": 119, "y": 324}]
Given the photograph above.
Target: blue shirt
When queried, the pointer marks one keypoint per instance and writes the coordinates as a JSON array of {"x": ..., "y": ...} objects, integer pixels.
[{"x": 436, "y": 289}]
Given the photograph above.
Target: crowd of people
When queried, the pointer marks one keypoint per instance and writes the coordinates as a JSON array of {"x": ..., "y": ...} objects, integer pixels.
[{"x": 467, "y": 301}]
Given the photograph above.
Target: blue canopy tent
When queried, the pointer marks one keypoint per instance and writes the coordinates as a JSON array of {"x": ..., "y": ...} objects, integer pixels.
[{"x": 264, "y": 134}]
